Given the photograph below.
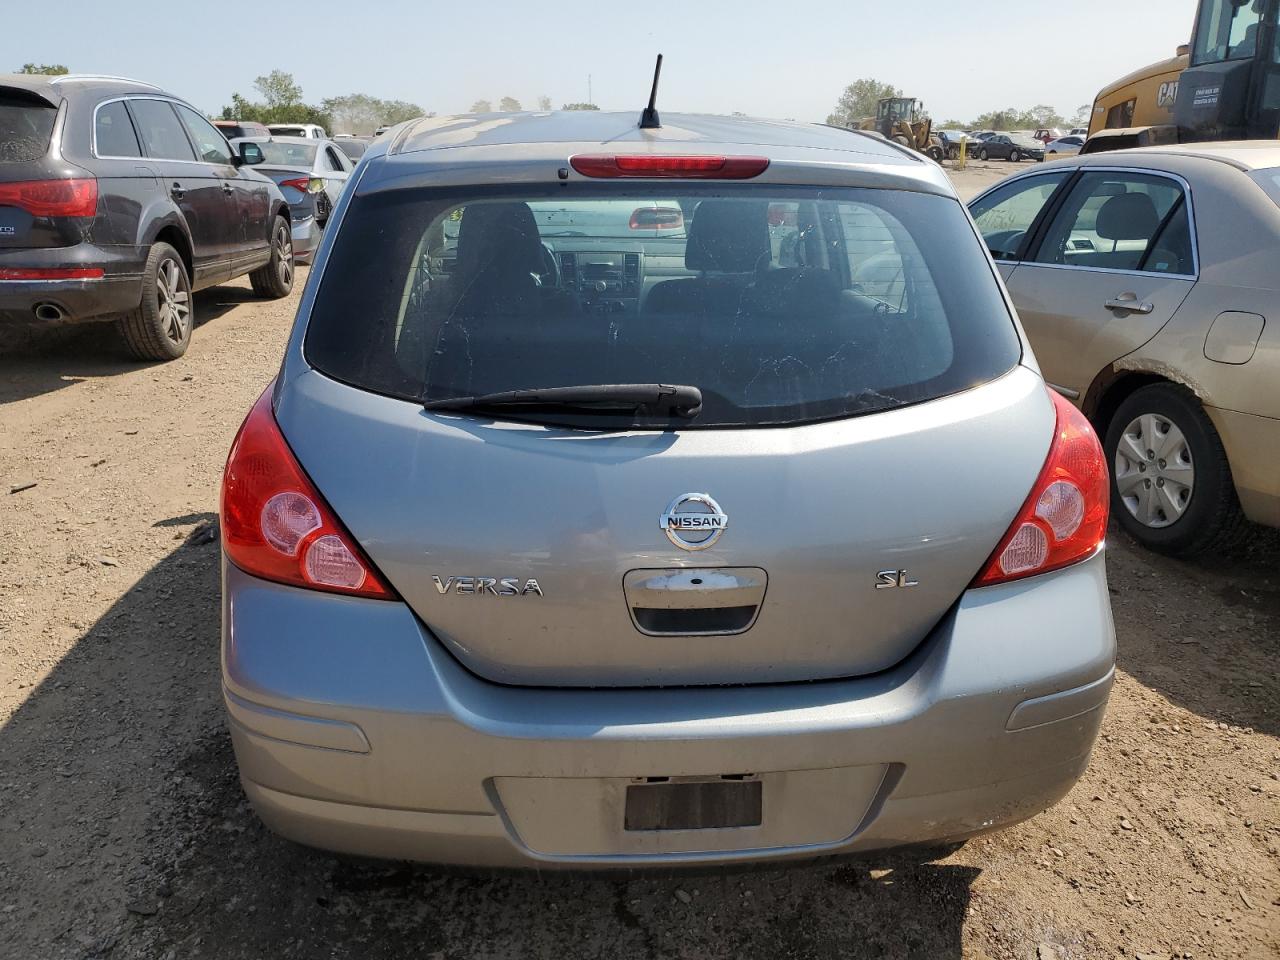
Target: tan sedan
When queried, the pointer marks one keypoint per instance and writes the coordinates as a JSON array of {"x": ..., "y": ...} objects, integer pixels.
[{"x": 1149, "y": 284}]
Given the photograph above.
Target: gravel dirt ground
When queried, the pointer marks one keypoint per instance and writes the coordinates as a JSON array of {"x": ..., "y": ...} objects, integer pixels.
[{"x": 124, "y": 832}]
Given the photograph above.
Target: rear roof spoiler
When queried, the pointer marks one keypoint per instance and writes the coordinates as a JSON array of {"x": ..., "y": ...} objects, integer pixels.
[{"x": 38, "y": 88}]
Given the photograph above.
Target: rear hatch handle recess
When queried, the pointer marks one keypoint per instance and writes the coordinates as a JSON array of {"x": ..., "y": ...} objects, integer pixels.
[{"x": 678, "y": 400}]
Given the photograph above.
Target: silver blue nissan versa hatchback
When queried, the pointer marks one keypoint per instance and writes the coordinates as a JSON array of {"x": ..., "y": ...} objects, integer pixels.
[{"x": 657, "y": 496}]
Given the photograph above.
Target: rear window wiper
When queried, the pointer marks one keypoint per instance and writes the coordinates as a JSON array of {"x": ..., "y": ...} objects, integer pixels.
[{"x": 674, "y": 399}]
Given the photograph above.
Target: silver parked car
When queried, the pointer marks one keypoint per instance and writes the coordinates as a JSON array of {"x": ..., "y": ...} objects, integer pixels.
[
  {"x": 1146, "y": 279},
  {"x": 321, "y": 161},
  {"x": 739, "y": 527}
]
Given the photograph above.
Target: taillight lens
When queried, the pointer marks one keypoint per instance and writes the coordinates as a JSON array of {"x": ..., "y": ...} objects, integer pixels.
[
  {"x": 1065, "y": 518},
  {"x": 51, "y": 273},
  {"x": 658, "y": 165},
  {"x": 52, "y": 198},
  {"x": 305, "y": 184},
  {"x": 275, "y": 524}
]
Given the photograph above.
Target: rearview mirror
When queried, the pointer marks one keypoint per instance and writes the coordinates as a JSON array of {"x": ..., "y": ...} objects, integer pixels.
[{"x": 251, "y": 154}]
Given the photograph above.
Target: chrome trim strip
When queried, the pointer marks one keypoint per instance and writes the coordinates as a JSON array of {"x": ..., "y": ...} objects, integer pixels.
[{"x": 93, "y": 133}]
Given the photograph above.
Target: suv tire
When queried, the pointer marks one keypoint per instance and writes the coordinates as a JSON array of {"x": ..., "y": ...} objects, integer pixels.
[
  {"x": 984, "y": 154},
  {"x": 159, "y": 328},
  {"x": 275, "y": 279},
  {"x": 1160, "y": 432}
]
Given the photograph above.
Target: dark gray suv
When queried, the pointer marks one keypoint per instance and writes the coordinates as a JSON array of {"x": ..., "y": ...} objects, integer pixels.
[{"x": 117, "y": 201}]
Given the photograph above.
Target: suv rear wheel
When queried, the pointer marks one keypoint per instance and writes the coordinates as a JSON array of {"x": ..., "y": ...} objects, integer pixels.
[
  {"x": 159, "y": 328},
  {"x": 1171, "y": 486},
  {"x": 275, "y": 279}
]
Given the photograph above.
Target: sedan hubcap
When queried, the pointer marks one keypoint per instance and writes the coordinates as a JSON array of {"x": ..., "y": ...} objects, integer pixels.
[
  {"x": 174, "y": 301},
  {"x": 284, "y": 256},
  {"x": 1154, "y": 470}
]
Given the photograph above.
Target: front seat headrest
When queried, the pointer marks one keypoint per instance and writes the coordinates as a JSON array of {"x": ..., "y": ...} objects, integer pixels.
[
  {"x": 728, "y": 236},
  {"x": 1128, "y": 216}
]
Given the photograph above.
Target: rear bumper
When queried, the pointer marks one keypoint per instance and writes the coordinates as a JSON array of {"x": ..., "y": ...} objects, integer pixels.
[
  {"x": 1253, "y": 449},
  {"x": 118, "y": 291},
  {"x": 306, "y": 235},
  {"x": 356, "y": 731}
]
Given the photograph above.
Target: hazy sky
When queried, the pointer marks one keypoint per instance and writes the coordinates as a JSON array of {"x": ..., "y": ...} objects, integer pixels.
[{"x": 778, "y": 59}]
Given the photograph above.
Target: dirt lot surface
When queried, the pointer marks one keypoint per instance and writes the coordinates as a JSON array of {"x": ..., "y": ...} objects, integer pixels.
[{"x": 124, "y": 832}]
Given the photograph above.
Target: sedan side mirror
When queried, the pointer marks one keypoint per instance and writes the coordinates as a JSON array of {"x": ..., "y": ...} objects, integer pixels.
[{"x": 251, "y": 154}]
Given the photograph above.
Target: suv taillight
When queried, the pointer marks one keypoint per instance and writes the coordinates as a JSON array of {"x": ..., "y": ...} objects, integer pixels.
[
  {"x": 1065, "y": 518},
  {"x": 275, "y": 524},
  {"x": 52, "y": 198}
]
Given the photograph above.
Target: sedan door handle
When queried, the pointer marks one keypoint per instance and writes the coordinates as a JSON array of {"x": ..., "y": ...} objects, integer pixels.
[
  {"x": 1129, "y": 303},
  {"x": 177, "y": 192}
]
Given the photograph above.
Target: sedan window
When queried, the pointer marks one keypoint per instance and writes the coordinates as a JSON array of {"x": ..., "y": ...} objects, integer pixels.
[
  {"x": 1121, "y": 221},
  {"x": 1006, "y": 214}
]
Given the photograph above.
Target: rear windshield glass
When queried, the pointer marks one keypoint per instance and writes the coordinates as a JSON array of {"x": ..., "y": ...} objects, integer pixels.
[
  {"x": 1269, "y": 180},
  {"x": 26, "y": 124},
  {"x": 782, "y": 305},
  {"x": 289, "y": 154}
]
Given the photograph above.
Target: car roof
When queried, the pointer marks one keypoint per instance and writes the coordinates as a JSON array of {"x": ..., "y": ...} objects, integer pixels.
[
  {"x": 535, "y": 146},
  {"x": 1243, "y": 154},
  {"x": 53, "y": 88},
  {"x": 305, "y": 141}
]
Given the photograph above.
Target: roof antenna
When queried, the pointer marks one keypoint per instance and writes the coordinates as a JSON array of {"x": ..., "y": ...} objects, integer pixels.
[{"x": 649, "y": 118}]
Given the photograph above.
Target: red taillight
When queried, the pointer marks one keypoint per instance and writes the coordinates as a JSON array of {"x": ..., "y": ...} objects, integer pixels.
[
  {"x": 275, "y": 524},
  {"x": 657, "y": 218},
  {"x": 52, "y": 198},
  {"x": 51, "y": 273},
  {"x": 298, "y": 183},
  {"x": 1065, "y": 518},
  {"x": 657, "y": 165}
]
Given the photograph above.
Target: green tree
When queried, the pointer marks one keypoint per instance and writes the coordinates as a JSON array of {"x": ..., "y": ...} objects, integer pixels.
[
  {"x": 45, "y": 69},
  {"x": 1082, "y": 115},
  {"x": 509, "y": 105},
  {"x": 579, "y": 106},
  {"x": 360, "y": 113},
  {"x": 398, "y": 111},
  {"x": 860, "y": 100},
  {"x": 278, "y": 89},
  {"x": 481, "y": 106},
  {"x": 1043, "y": 115}
]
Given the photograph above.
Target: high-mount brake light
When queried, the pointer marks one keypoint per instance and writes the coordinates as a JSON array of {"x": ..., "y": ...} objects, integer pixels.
[
  {"x": 52, "y": 198},
  {"x": 657, "y": 218},
  {"x": 275, "y": 524},
  {"x": 653, "y": 165},
  {"x": 1064, "y": 520}
]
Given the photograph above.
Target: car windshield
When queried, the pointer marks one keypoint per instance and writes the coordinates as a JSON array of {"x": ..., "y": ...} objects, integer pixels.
[
  {"x": 26, "y": 124},
  {"x": 289, "y": 154},
  {"x": 782, "y": 305}
]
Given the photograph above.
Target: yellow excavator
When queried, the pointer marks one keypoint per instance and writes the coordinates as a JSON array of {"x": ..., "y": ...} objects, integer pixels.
[
  {"x": 903, "y": 120},
  {"x": 1224, "y": 85}
]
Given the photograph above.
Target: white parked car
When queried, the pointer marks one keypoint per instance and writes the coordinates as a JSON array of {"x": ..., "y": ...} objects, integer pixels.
[
  {"x": 1068, "y": 145},
  {"x": 309, "y": 130}
]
